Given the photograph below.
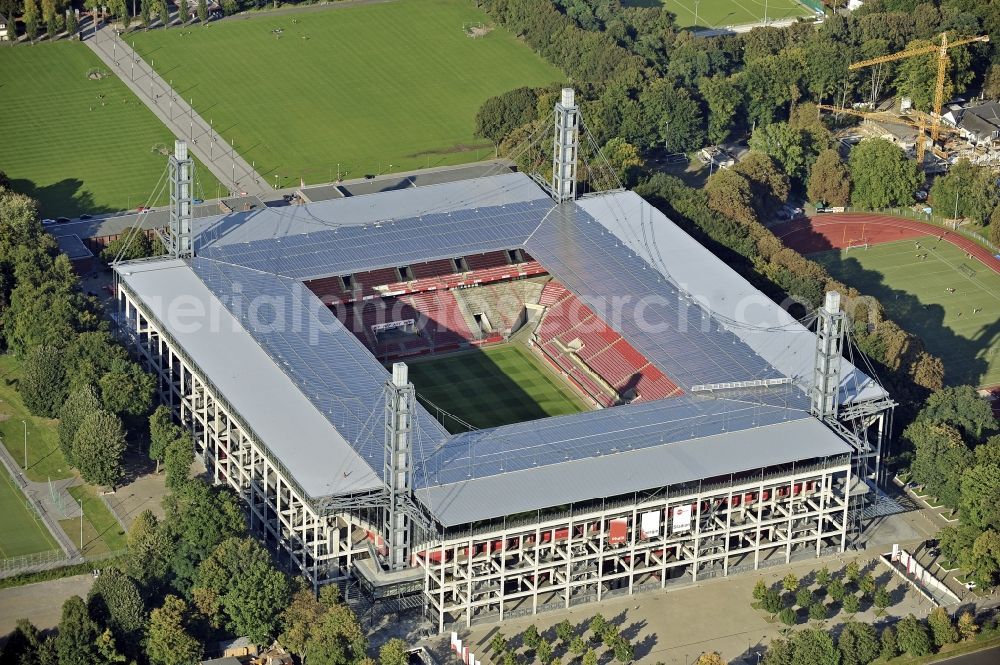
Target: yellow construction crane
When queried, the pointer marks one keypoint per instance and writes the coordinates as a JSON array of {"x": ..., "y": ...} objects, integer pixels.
[
  {"x": 920, "y": 121},
  {"x": 942, "y": 51}
]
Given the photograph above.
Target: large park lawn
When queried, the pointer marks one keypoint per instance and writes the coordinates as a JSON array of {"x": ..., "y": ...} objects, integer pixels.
[
  {"x": 375, "y": 87},
  {"x": 77, "y": 145}
]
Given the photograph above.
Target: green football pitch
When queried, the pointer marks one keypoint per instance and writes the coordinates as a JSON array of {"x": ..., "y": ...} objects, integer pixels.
[
  {"x": 371, "y": 88},
  {"x": 22, "y": 531},
  {"x": 78, "y": 145},
  {"x": 491, "y": 387},
  {"x": 960, "y": 327},
  {"x": 720, "y": 13}
]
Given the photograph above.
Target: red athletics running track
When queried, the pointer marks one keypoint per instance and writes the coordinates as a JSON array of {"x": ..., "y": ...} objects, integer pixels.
[{"x": 838, "y": 230}]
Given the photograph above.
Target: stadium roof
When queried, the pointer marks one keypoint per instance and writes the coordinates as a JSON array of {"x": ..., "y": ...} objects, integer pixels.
[{"x": 276, "y": 343}]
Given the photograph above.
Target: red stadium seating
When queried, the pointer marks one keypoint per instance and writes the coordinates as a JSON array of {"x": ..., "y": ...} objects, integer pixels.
[{"x": 604, "y": 351}]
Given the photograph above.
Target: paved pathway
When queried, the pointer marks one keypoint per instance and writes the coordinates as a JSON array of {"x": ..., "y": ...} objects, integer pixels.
[{"x": 221, "y": 159}]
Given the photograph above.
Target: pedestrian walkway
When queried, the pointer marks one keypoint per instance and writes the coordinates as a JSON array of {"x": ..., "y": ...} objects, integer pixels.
[{"x": 176, "y": 113}]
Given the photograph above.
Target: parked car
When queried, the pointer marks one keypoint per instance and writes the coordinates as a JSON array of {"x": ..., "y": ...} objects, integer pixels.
[
  {"x": 47, "y": 221},
  {"x": 197, "y": 201},
  {"x": 143, "y": 209},
  {"x": 85, "y": 217},
  {"x": 62, "y": 220}
]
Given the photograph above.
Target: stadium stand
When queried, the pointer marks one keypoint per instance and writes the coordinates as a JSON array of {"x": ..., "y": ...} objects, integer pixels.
[{"x": 575, "y": 340}]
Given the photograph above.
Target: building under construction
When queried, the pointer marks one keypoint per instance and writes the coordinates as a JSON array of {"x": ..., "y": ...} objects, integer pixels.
[{"x": 723, "y": 434}]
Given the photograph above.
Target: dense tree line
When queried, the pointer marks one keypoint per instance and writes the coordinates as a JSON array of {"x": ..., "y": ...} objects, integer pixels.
[
  {"x": 955, "y": 455},
  {"x": 70, "y": 365}
]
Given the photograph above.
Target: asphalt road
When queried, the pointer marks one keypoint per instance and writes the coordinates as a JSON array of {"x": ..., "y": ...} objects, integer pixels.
[{"x": 984, "y": 657}]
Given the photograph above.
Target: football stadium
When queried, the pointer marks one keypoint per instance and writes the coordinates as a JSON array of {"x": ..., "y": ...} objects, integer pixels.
[{"x": 597, "y": 405}]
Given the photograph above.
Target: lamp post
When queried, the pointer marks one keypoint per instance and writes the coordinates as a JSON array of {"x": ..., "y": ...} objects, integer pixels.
[
  {"x": 25, "y": 423},
  {"x": 81, "y": 526}
]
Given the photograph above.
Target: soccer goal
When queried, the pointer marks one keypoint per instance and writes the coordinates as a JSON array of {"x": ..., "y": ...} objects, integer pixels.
[{"x": 966, "y": 270}]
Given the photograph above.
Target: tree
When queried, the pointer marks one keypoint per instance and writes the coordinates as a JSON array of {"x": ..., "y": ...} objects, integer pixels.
[
  {"x": 74, "y": 410},
  {"x": 960, "y": 407},
  {"x": 788, "y": 616},
  {"x": 77, "y": 636},
  {"x": 940, "y": 459},
  {"x": 851, "y": 604},
  {"x": 115, "y": 602},
  {"x": 623, "y": 650},
  {"x": 882, "y": 175},
  {"x": 500, "y": 115},
  {"x": 148, "y": 549},
  {"x": 127, "y": 390},
  {"x": 882, "y": 600},
  {"x": 119, "y": 8},
  {"x": 543, "y": 651},
  {"x": 785, "y": 145},
  {"x": 823, "y": 577},
  {"x": 203, "y": 12},
  {"x": 769, "y": 186},
  {"x": 985, "y": 558},
  {"x": 942, "y": 628},
  {"x": 813, "y": 646},
  {"x": 790, "y": 583},
  {"x": 829, "y": 180},
  {"x": 723, "y": 97},
  {"x": 162, "y": 432},
  {"x": 818, "y": 611},
  {"x": 168, "y": 641},
  {"x": 928, "y": 371},
  {"x": 912, "y": 637},
  {"x": 771, "y": 602},
  {"x": 980, "y": 496},
  {"x": 966, "y": 191},
  {"x": 183, "y": 13},
  {"x": 99, "y": 448},
  {"x": 835, "y": 589},
  {"x": 43, "y": 385},
  {"x": 967, "y": 627},
  {"x": 597, "y": 626},
  {"x": 888, "y": 647},
  {"x": 565, "y": 631},
  {"x": 578, "y": 646},
  {"x": 623, "y": 157},
  {"x": 858, "y": 644},
  {"x": 779, "y": 652},
  {"x": 995, "y": 226},
  {"x": 759, "y": 591},
  {"x": 299, "y": 620},
  {"x": 393, "y": 652},
  {"x": 589, "y": 658},
  {"x": 498, "y": 644},
  {"x": 339, "y": 639},
  {"x": 72, "y": 22},
  {"x": 852, "y": 572},
  {"x": 531, "y": 638},
  {"x": 803, "y": 597},
  {"x": 145, "y": 12},
  {"x": 710, "y": 658},
  {"x": 867, "y": 584},
  {"x": 163, "y": 11},
  {"x": 729, "y": 193},
  {"x": 31, "y": 18},
  {"x": 237, "y": 587},
  {"x": 917, "y": 76},
  {"x": 177, "y": 462},
  {"x": 675, "y": 117}
]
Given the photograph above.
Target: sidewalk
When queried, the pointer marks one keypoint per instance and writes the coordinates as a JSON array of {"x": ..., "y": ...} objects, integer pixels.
[{"x": 175, "y": 112}]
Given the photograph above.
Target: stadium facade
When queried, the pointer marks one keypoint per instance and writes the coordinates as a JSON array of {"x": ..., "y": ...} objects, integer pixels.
[{"x": 725, "y": 435}]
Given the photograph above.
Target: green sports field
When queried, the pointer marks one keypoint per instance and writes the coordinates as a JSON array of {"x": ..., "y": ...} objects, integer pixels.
[
  {"x": 23, "y": 532},
  {"x": 915, "y": 293},
  {"x": 378, "y": 87},
  {"x": 720, "y": 13},
  {"x": 487, "y": 388},
  {"x": 75, "y": 144}
]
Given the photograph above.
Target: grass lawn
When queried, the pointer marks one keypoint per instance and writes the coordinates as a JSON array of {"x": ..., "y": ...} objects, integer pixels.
[
  {"x": 101, "y": 531},
  {"x": 720, "y": 13},
  {"x": 367, "y": 87},
  {"x": 45, "y": 460},
  {"x": 914, "y": 293},
  {"x": 491, "y": 387},
  {"x": 22, "y": 531},
  {"x": 69, "y": 148}
]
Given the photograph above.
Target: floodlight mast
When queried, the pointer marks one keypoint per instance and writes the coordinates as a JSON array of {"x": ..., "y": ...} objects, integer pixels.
[
  {"x": 565, "y": 147},
  {"x": 397, "y": 472},
  {"x": 830, "y": 330},
  {"x": 178, "y": 240}
]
